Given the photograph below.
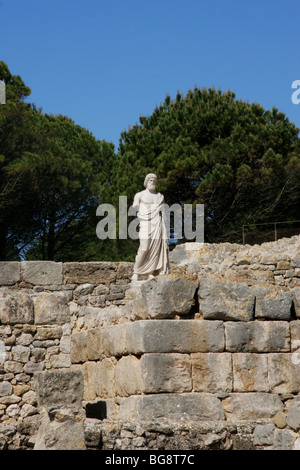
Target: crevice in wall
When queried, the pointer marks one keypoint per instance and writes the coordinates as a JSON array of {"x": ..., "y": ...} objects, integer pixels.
[{"x": 97, "y": 410}]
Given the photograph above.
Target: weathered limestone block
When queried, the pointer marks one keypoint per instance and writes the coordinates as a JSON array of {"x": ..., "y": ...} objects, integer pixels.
[
  {"x": 42, "y": 273},
  {"x": 59, "y": 396},
  {"x": 90, "y": 272},
  {"x": 20, "y": 353},
  {"x": 263, "y": 435},
  {"x": 61, "y": 429},
  {"x": 135, "y": 306},
  {"x": 295, "y": 293},
  {"x": 273, "y": 303},
  {"x": 166, "y": 373},
  {"x": 185, "y": 406},
  {"x": 128, "y": 376},
  {"x": 212, "y": 372},
  {"x": 15, "y": 307},
  {"x": 284, "y": 439},
  {"x": 60, "y": 361},
  {"x": 33, "y": 367},
  {"x": 93, "y": 317},
  {"x": 114, "y": 340},
  {"x": 58, "y": 387},
  {"x": 295, "y": 339},
  {"x": 99, "y": 379},
  {"x": 251, "y": 406},
  {"x": 124, "y": 271},
  {"x": 169, "y": 295},
  {"x": 86, "y": 345},
  {"x": 163, "y": 336},
  {"x": 10, "y": 273},
  {"x": 6, "y": 388},
  {"x": 293, "y": 416},
  {"x": 79, "y": 347},
  {"x": 225, "y": 300},
  {"x": 257, "y": 336},
  {"x": 83, "y": 289},
  {"x": 51, "y": 308},
  {"x": 50, "y": 332},
  {"x": 284, "y": 374},
  {"x": 94, "y": 344},
  {"x": 250, "y": 372}
]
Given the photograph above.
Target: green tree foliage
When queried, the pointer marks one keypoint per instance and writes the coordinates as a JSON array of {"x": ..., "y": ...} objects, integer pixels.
[
  {"x": 17, "y": 135},
  {"x": 51, "y": 172},
  {"x": 241, "y": 161}
]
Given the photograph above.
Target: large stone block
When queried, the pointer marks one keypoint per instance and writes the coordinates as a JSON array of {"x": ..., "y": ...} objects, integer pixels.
[
  {"x": 78, "y": 347},
  {"x": 15, "y": 307},
  {"x": 128, "y": 376},
  {"x": 61, "y": 429},
  {"x": 250, "y": 372},
  {"x": 10, "y": 273},
  {"x": 91, "y": 272},
  {"x": 166, "y": 373},
  {"x": 94, "y": 344},
  {"x": 293, "y": 416},
  {"x": 115, "y": 341},
  {"x": 225, "y": 300},
  {"x": 164, "y": 336},
  {"x": 272, "y": 303},
  {"x": 99, "y": 379},
  {"x": 56, "y": 387},
  {"x": 251, "y": 406},
  {"x": 295, "y": 294},
  {"x": 42, "y": 273},
  {"x": 59, "y": 397},
  {"x": 295, "y": 339},
  {"x": 284, "y": 376},
  {"x": 212, "y": 372},
  {"x": 173, "y": 406},
  {"x": 257, "y": 336},
  {"x": 51, "y": 308},
  {"x": 169, "y": 295}
]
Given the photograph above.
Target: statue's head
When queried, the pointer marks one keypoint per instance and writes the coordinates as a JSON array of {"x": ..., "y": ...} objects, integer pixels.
[{"x": 150, "y": 181}]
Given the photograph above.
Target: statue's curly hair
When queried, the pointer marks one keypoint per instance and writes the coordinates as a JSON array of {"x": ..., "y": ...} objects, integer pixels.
[{"x": 150, "y": 175}]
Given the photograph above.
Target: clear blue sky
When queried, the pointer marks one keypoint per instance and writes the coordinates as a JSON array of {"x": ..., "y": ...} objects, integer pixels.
[{"x": 104, "y": 63}]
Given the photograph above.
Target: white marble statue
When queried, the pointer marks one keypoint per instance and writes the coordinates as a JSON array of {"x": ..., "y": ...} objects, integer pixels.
[{"x": 153, "y": 254}]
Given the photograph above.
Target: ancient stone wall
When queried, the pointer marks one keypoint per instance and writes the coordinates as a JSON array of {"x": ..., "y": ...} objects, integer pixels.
[
  {"x": 41, "y": 304},
  {"x": 206, "y": 357}
]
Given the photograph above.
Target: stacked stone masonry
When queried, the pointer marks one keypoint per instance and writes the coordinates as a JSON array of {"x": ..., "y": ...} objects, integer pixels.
[{"x": 206, "y": 357}]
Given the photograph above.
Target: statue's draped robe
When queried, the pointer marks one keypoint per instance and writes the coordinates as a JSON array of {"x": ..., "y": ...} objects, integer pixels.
[{"x": 153, "y": 229}]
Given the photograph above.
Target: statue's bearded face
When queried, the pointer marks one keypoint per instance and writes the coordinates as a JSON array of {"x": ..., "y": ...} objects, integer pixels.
[{"x": 151, "y": 184}]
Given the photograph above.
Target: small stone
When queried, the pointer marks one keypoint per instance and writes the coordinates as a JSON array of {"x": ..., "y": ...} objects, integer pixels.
[
  {"x": 101, "y": 290},
  {"x": 280, "y": 420},
  {"x": 20, "y": 389},
  {"x": 5, "y": 388},
  {"x": 83, "y": 289},
  {"x": 264, "y": 434},
  {"x": 283, "y": 265},
  {"x": 25, "y": 339},
  {"x": 28, "y": 410},
  {"x": 29, "y": 397},
  {"x": 20, "y": 353},
  {"x": 10, "y": 400},
  {"x": 13, "y": 411},
  {"x": 32, "y": 367}
]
